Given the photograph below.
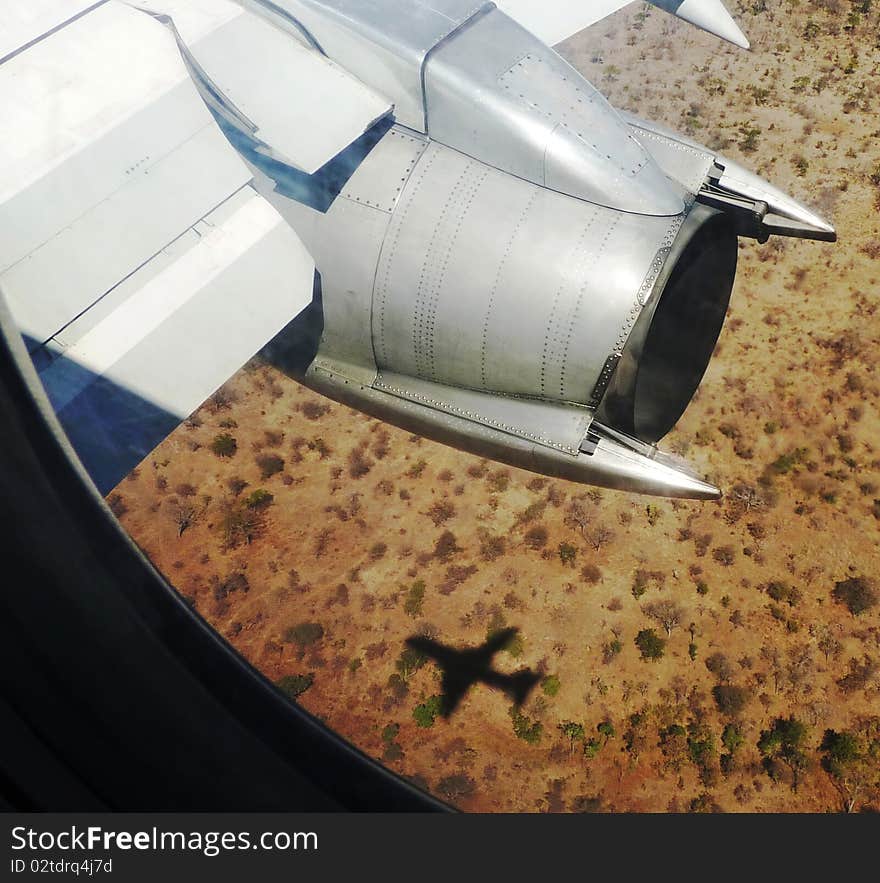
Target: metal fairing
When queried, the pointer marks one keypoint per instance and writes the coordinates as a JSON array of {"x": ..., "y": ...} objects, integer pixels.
[
  {"x": 355, "y": 226},
  {"x": 384, "y": 43},
  {"x": 490, "y": 282},
  {"x": 611, "y": 464},
  {"x": 551, "y": 424},
  {"x": 497, "y": 93},
  {"x": 686, "y": 163}
]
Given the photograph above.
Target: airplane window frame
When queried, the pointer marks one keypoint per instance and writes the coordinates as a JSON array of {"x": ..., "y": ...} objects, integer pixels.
[{"x": 106, "y": 660}]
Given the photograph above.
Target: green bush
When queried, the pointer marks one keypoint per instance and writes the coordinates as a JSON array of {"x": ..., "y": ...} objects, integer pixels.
[
  {"x": 591, "y": 748},
  {"x": 527, "y": 730},
  {"x": 550, "y": 685},
  {"x": 304, "y": 634},
  {"x": 567, "y": 553},
  {"x": 780, "y": 591},
  {"x": 414, "y": 598},
  {"x": 259, "y": 499},
  {"x": 606, "y": 729},
  {"x": 426, "y": 713},
  {"x": 295, "y": 685},
  {"x": 857, "y": 594},
  {"x": 650, "y": 644},
  {"x": 224, "y": 445}
]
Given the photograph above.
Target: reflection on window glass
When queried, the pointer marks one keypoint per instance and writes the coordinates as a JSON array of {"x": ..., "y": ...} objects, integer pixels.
[{"x": 258, "y": 336}]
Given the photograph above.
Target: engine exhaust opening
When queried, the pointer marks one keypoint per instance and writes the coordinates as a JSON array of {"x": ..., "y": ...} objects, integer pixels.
[{"x": 670, "y": 346}]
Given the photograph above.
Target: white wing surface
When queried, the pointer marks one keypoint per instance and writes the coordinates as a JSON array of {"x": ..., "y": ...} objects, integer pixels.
[
  {"x": 253, "y": 68},
  {"x": 141, "y": 266}
]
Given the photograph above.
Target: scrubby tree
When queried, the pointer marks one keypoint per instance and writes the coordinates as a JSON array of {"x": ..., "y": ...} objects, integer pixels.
[
  {"x": 785, "y": 742},
  {"x": 853, "y": 762},
  {"x": 550, "y": 685},
  {"x": 528, "y": 730},
  {"x": 720, "y": 666},
  {"x": 827, "y": 643},
  {"x": 731, "y": 699},
  {"x": 567, "y": 553},
  {"x": 304, "y": 634},
  {"x": 732, "y": 739},
  {"x": 650, "y": 644},
  {"x": 574, "y": 732},
  {"x": 674, "y": 746},
  {"x": 860, "y": 674},
  {"x": 668, "y": 613},
  {"x": 857, "y": 594},
  {"x": 635, "y": 736},
  {"x": 224, "y": 445},
  {"x": 414, "y": 598},
  {"x": 606, "y": 730},
  {"x": 610, "y": 650},
  {"x": 269, "y": 464},
  {"x": 703, "y": 752},
  {"x": 426, "y": 712}
]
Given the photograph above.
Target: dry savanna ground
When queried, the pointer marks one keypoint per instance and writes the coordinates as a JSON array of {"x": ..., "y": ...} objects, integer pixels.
[{"x": 694, "y": 656}]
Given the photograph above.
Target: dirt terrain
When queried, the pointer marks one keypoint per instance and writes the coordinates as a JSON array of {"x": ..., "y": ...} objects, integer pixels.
[{"x": 317, "y": 540}]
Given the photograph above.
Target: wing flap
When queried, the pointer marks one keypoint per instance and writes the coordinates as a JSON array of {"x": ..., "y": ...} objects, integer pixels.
[
  {"x": 141, "y": 266},
  {"x": 115, "y": 155},
  {"x": 121, "y": 382},
  {"x": 302, "y": 108}
]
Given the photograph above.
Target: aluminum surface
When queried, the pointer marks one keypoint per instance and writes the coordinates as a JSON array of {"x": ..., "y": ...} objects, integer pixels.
[
  {"x": 384, "y": 43},
  {"x": 495, "y": 92},
  {"x": 496, "y": 285},
  {"x": 669, "y": 148},
  {"x": 551, "y": 424},
  {"x": 490, "y": 282},
  {"x": 354, "y": 226},
  {"x": 612, "y": 463}
]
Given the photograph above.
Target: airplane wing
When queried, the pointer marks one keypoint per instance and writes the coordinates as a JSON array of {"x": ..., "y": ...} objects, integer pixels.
[
  {"x": 431, "y": 649},
  {"x": 556, "y": 20},
  {"x": 139, "y": 262}
]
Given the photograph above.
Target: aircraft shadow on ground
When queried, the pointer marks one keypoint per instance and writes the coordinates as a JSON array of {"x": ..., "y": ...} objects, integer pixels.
[{"x": 466, "y": 667}]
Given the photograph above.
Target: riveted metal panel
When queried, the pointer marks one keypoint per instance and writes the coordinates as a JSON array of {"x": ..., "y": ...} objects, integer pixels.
[
  {"x": 552, "y": 424},
  {"x": 490, "y": 282},
  {"x": 611, "y": 464},
  {"x": 681, "y": 161},
  {"x": 346, "y": 241},
  {"x": 380, "y": 178},
  {"x": 495, "y": 92}
]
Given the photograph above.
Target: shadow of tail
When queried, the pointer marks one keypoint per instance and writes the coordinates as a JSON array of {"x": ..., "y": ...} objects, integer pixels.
[{"x": 521, "y": 684}]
